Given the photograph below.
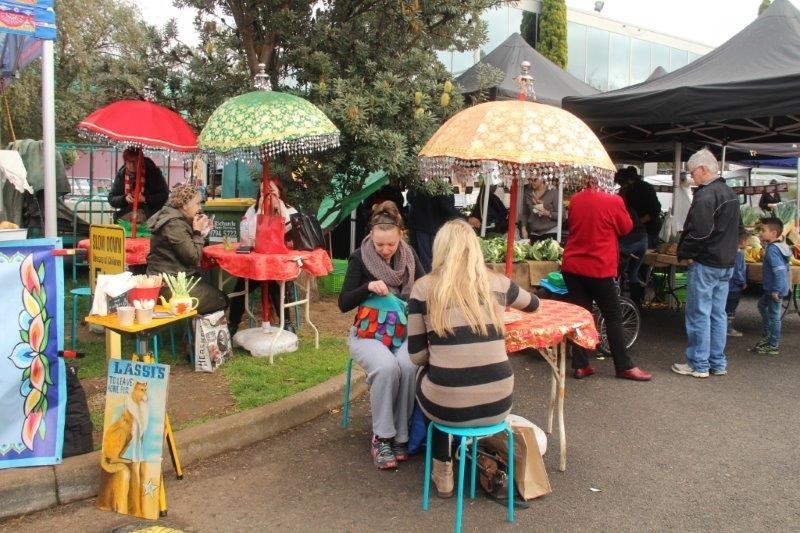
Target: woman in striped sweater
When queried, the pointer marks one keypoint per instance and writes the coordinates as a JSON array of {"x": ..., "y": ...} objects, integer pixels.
[{"x": 456, "y": 335}]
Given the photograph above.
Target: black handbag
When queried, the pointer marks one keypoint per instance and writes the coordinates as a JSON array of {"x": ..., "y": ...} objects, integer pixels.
[{"x": 306, "y": 233}]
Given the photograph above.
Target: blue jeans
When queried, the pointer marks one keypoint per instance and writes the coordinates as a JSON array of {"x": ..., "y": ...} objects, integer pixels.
[
  {"x": 770, "y": 310},
  {"x": 706, "y": 321}
]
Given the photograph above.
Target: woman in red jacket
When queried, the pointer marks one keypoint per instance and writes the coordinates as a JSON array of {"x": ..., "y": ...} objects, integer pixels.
[{"x": 596, "y": 221}]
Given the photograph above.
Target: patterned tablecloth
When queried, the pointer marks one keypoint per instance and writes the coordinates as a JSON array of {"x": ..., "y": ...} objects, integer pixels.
[
  {"x": 136, "y": 249},
  {"x": 550, "y": 325},
  {"x": 263, "y": 267}
]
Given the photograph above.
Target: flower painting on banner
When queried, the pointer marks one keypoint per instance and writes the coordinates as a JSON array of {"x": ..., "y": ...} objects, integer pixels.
[{"x": 32, "y": 376}]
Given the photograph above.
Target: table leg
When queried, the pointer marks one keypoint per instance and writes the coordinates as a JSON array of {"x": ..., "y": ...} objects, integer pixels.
[
  {"x": 308, "y": 314},
  {"x": 113, "y": 345},
  {"x": 553, "y": 398},
  {"x": 281, "y": 315},
  {"x": 562, "y": 363}
]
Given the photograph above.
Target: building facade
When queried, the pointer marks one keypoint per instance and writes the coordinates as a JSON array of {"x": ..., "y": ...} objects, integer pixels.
[{"x": 605, "y": 53}]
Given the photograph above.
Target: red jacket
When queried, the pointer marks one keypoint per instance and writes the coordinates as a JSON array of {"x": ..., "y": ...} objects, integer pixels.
[{"x": 596, "y": 220}]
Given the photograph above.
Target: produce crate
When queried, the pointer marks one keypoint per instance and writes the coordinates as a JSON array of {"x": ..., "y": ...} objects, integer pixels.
[
  {"x": 332, "y": 283},
  {"x": 520, "y": 273}
]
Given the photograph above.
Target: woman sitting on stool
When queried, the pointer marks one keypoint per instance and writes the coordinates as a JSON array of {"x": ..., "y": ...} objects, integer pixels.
[
  {"x": 456, "y": 332},
  {"x": 385, "y": 264}
]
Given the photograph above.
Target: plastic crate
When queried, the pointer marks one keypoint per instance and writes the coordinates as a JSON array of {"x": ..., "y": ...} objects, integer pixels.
[{"x": 332, "y": 283}]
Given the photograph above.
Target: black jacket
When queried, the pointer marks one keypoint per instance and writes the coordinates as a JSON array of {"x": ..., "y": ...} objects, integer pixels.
[
  {"x": 711, "y": 231},
  {"x": 768, "y": 198},
  {"x": 356, "y": 281},
  {"x": 497, "y": 214},
  {"x": 642, "y": 198},
  {"x": 156, "y": 191},
  {"x": 429, "y": 213}
]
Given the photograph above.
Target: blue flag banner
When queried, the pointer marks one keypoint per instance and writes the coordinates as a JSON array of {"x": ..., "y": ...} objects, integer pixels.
[
  {"x": 35, "y": 18},
  {"x": 32, "y": 375}
]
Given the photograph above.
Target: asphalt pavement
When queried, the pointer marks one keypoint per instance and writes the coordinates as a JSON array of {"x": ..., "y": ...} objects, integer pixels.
[{"x": 678, "y": 453}]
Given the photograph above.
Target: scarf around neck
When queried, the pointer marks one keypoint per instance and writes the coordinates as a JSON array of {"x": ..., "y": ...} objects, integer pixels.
[{"x": 399, "y": 279}]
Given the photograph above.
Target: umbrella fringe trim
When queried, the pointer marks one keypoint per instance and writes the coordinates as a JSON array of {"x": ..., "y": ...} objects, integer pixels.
[
  {"x": 99, "y": 138},
  {"x": 302, "y": 145}
]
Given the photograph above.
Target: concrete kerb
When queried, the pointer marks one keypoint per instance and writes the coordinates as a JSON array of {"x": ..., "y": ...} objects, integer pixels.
[{"x": 27, "y": 490}]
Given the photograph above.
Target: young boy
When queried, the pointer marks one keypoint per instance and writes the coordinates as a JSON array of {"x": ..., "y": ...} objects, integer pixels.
[
  {"x": 775, "y": 283},
  {"x": 736, "y": 285}
]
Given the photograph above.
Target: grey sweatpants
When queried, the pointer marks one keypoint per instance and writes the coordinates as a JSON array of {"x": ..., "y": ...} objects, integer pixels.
[{"x": 390, "y": 375}]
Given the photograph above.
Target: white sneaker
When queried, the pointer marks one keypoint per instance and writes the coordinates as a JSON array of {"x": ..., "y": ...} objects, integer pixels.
[{"x": 685, "y": 370}]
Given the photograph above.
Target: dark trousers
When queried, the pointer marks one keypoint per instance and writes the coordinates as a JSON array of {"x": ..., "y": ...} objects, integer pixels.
[
  {"x": 732, "y": 302},
  {"x": 424, "y": 243},
  {"x": 583, "y": 291},
  {"x": 440, "y": 445}
]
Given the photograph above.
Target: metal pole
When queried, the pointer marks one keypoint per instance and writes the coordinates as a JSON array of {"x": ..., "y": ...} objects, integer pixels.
[
  {"x": 49, "y": 136},
  {"x": 485, "y": 207},
  {"x": 352, "y": 231},
  {"x": 724, "y": 153},
  {"x": 560, "y": 208},
  {"x": 676, "y": 174},
  {"x": 797, "y": 193},
  {"x": 512, "y": 223}
]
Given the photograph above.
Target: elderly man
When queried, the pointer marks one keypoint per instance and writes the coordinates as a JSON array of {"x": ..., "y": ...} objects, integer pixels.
[{"x": 708, "y": 242}]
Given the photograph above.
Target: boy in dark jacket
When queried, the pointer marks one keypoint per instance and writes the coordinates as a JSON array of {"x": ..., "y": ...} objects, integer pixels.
[{"x": 775, "y": 282}]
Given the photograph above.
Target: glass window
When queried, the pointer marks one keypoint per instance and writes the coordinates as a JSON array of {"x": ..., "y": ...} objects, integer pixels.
[
  {"x": 496, "y": 27},
  {"x": 678, "y": 58},
  {"x": 619, "y": 61},
  {"x": 456, "y": 62},
  {"x": 576, "y": 50},
  {"x": 597, "y": 58},
  {"x": 659, "y": 56},
  {"x": 640, "y": 60},
  {"x": 693, "y": 56}
]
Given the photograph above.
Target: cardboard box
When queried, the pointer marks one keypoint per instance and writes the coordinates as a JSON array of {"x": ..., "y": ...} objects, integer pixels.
[
  {"x": 755, "y": 273},
  {"x": 539, "y": 270},
  {"x": 520, "y": 273}
]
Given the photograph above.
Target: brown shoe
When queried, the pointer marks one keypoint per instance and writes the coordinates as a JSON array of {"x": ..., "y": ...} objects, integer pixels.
[
  {"x": 635, "y": 374},
  {"x": 584, "y": 372},
  {"x": 443, "y": 478}
]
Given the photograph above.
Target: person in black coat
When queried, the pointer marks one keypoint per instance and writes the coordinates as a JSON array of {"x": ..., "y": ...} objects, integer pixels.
[
  {"x": 642, "y": 198},
  {"x": 769, "y": 200},
  {"x": 496, "y": 216},
  {"x": 427, "y": 214},
  {"x": 154, "y": 192}
]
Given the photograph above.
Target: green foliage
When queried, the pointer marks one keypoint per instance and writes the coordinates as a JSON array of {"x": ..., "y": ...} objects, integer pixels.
[
  {"x": 764, "y": 5},
  {"x": 553, "y": 31},
  {"x": 527, "y": 29},
  {"x": 488, "y": 76}
]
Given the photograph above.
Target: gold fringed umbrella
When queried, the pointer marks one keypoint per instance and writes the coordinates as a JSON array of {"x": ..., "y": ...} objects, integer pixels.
[{"x": 518, "y": 138}]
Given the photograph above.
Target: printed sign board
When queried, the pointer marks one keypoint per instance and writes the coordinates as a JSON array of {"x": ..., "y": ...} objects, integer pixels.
[
  {"x": 107, "y": 256},
  {"x": 133, "y": 438}
]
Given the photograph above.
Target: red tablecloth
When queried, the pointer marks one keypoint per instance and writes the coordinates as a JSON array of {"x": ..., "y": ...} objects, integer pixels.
[
  {"x": 263, "y": 267},
  {"x": 549, "y": 325},
  {"x": 136, "y": 249}
]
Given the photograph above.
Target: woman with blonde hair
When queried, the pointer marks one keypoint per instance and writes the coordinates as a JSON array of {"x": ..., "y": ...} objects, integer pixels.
[
  {"x": 456, "y": 334},
  {"x": 381, "y": 272}
]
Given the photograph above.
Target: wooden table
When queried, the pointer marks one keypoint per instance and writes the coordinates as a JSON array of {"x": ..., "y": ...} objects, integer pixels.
[
  {"x": 671, "y": 263},
  {"x": 548, "y": 330}
]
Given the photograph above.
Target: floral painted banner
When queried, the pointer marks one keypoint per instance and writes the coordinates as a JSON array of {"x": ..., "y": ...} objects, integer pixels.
[
  {"x": 32, "y": 376},
  {"x": 35, "y": 18}
]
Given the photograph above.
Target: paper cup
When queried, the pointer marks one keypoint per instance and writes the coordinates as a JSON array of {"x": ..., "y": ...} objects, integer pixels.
[
  {"x": 144, "y": 316},
  {"x": 125, "y": 316}
]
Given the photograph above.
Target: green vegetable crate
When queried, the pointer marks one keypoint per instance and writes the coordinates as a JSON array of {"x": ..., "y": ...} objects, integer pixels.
[{"x": 332, "y": 283}]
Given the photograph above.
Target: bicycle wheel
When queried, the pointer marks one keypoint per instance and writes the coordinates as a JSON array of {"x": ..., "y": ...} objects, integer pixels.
[{"x": 631, "y": 321}]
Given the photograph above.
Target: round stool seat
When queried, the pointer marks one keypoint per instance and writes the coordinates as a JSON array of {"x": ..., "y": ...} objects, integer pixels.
[{"x": 81, "y": 291}]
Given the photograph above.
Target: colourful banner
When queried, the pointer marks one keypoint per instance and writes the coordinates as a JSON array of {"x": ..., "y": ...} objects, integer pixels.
[
  {"x": 32, "y": 376},
  {"x": 133, "y": 438},
  {"x": 35, "y": 18}
]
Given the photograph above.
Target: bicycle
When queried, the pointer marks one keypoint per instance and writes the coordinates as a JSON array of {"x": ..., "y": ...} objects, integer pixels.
[{"x": 630, "y": 316}]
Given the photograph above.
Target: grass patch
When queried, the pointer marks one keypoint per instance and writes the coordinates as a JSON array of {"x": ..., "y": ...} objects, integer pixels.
[{"x": 253, "y": 381}]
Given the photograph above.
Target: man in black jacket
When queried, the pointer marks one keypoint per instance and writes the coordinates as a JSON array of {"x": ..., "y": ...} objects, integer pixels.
[
  {"x": 642, "y": 198},
  {"x": 709, "y": 242}
]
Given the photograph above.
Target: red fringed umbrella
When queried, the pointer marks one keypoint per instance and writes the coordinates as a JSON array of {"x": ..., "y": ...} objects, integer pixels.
[{"x": 142, "y": 124}]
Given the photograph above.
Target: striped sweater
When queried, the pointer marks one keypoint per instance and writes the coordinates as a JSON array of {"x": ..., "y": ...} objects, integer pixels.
[{"x": 466, "y": 378}]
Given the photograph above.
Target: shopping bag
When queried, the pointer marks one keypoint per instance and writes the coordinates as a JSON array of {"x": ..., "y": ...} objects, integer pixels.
[
  {"x": 270, "y": 229},
  {"x": 212, "y": 341},
  {"x": 530, "y": 476},
  {"x": 306, "y": 233}
]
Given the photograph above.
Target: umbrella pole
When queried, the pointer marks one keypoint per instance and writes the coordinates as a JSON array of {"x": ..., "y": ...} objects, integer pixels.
[
  {"x": 266, "y": 309},
  {"x": 512, "y": 222},
  {"x": 560, "y": 222},
  {"x": 485, "y": 206},
  {"x": 137, "y": 190}
]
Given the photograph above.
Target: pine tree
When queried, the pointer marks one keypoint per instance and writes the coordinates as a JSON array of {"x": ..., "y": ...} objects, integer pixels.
[
  {"x": 764, "y": 5},
  {"x": 553, "y": 31},
  {"x": 528, "y": 28}
]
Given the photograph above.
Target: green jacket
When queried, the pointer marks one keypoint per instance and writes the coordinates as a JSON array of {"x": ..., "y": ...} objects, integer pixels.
[{"x": 174, "y": 247}]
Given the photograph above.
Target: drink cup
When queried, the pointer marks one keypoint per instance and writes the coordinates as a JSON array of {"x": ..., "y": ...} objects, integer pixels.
[
  {"x": 125, "y": 315},
  {"x": 144, "y": 316}
]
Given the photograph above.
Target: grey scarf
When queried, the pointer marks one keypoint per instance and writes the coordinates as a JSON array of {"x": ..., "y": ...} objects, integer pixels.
[{"x": 399, "y": 279}]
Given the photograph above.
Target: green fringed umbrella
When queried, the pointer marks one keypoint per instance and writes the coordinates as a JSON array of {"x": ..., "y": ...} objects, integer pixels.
[{"x": 261, "y": 124}]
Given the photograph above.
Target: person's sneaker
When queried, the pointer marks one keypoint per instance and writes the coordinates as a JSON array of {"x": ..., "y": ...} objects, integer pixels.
[
  {"x": 718, "y": 371},
  {"x": 768, "y": 349},
  {"x": 733, "y": 332},
  {"x": 763, "y": 341},
  {"x": 685, "y": 370},
  {"x": 382, "y": 454},
  {"x": 400, "y": 450}
]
